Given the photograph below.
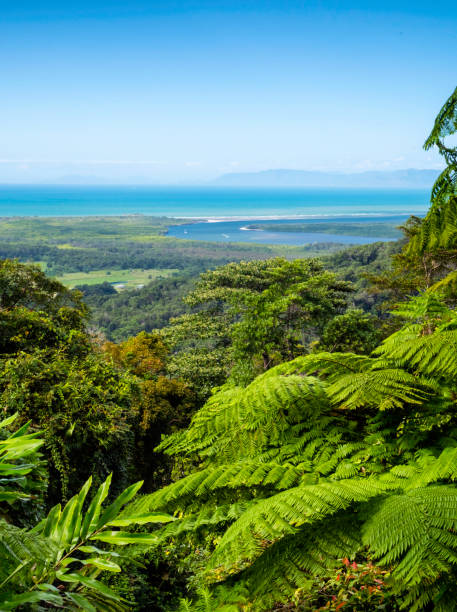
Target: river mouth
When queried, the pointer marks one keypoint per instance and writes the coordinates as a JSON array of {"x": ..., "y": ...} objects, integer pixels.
[{"x": 337, "y": 230}]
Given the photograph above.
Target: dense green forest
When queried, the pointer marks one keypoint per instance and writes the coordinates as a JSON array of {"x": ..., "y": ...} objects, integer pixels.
[
  {"x": 284, "y": 438},
  {"x": 377, "y": 229},
  {"x": 120, "y": 315},
  {"x": 102, "y": 254},
  {"x": 82, "y": 244}
]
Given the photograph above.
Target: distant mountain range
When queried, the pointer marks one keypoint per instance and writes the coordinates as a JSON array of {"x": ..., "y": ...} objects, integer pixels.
[{"x": 409, "y": 178}]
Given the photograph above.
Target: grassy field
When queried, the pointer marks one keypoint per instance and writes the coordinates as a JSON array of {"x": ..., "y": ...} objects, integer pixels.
[{"x": 131, "y": 279}]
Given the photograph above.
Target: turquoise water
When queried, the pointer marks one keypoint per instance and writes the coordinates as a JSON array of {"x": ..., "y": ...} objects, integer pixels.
[
  {"x": 228, "y": 206},
  {"x": 208, "y": 202}
]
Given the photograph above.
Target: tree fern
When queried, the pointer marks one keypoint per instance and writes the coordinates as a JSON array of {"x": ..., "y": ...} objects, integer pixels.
[
  {"x": 336, "y": 454},
  {"x": 262, "y": 412},
  {"x": 285, "y": 566},
  {"x": 431, "y": 355},
  {"x": 328, "y": 438},
  {"x": 415, "y": 531},
  {"x": 270, "y": 519}
]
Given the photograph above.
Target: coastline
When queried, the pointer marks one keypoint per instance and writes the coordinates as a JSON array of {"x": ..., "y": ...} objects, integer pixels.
[{"x": 286, "y": 217}]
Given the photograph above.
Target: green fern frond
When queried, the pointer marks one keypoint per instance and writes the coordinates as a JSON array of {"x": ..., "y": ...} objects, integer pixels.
[
  {"x": 286, "y": 565},
  {"x": 430, "y": 355},
  {"x": 207, "y": 517},
  {"x": 271, "y": 519},
  {"x": 19, "y": 547},
  {"x": 445, "y": 122},
  {"x": 386, "y": 389},
  {"x": 416, "y": 530},
  {"x": 205, "y": 484},
  {"x": 240, "y": 422},
  {"x": 329, "y": 365},
  {"x": 442, "y": 468}
]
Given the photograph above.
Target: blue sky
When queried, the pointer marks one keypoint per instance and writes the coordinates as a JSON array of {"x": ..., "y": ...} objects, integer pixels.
[{"x": 185, "y": 91}]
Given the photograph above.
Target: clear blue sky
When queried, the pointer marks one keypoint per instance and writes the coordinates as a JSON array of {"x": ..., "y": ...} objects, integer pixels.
[{"x": 184, "y": 91}]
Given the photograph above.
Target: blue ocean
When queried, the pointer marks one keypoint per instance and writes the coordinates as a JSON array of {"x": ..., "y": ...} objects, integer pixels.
[{"x": 225, "y": 207}]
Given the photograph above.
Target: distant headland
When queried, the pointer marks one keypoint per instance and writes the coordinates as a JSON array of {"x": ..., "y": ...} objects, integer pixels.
[{"x": 410, "y": 178}]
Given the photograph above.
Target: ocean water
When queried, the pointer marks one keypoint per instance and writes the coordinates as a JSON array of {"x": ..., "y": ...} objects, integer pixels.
[
  {"x": 224, "y": 205},
  {"x": 207, "y": 202}
]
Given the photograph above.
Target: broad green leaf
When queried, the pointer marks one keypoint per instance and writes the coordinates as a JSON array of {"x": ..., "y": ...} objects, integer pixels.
[
  {"x": 113, "y": 510},
  {"x": 141, "y": 519},
  {"x": 39, "y": 526},
  {"x": 91, "y": 583},
  {"x": 47, "y": 587},
  {"x": 12, "y": 468},
  {"x": 64, "y": 576},
  {"x": 121, "y": 538},
  {"x": 98, "y": 551},
  {"x": 69, "y": 560},
  {"x": 22, "y": 431},
  {"x": 8, "y": 420},
  {"x": 77, "y": 518},
  {"x": 103, "y": 564},
  {"x": 93, "y": 512},
  {"x": 11, "y": 496},
  {"x": 12, "y": 603},
  {"x": 64, "y": 531},
  {"x": 81, "y": 602},
  {"x": 52, "y": 521}
]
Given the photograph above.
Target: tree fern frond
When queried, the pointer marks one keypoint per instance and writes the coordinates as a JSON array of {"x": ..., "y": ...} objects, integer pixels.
[
  {"x": 240, "y": 422},
  {"x": 386, "y": 389},
  {"x": 285, "y": 565},
  {"x": 442, "y": 468},
  {"x": 416, "y": 530},
  {"x": 271, "y": 519},
  {"x": 445, "y": 122},
  {"x": 329, "y": 365},
  {"x": 446, "y": 284},
  {"x": 430, "y": 355},
  {"x": 21, "y": 547},
  {"x": 209, "y": 516},
  {"x": 206, "y": 483}
]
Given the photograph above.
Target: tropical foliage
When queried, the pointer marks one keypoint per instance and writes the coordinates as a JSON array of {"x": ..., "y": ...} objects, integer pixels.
[
  {"x": 330, "y": 455},
  {"x": 430, "y": 256},
  {"x": 306, "y": 452},
  {"x": 58, "y": 562},
  {"x": 249, "y": 316},
  {"x": 337, "y": 455},
  {"x": 19, "y": 457}
]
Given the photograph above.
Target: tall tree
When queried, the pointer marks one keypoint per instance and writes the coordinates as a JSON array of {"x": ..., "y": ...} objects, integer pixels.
[
  {"x": 251, "y": 315},
  {"x": 430, "y": 253},
  {"x": 338, "y": 455},
  {"x": 51, "y": 375}
]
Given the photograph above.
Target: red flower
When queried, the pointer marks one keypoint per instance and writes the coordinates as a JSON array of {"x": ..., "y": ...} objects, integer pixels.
[
  {"x": 346, "y": 561},
  {"x": 354, "y": 565}
]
